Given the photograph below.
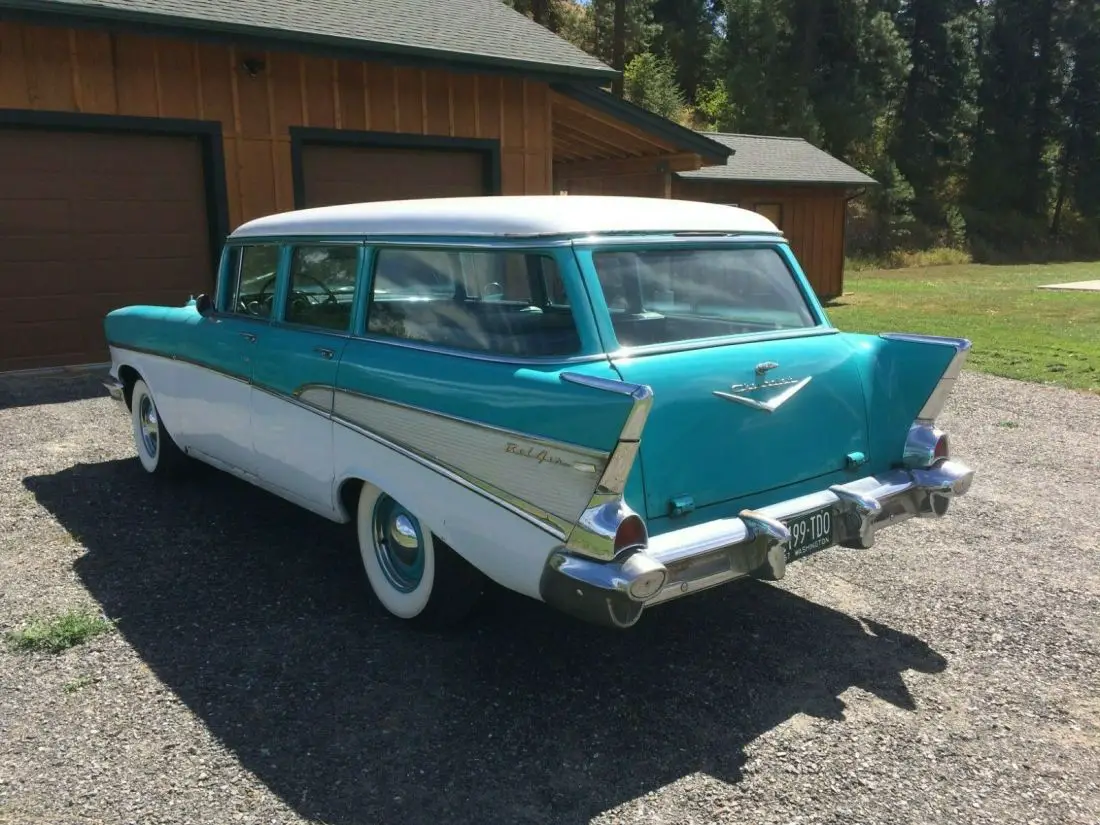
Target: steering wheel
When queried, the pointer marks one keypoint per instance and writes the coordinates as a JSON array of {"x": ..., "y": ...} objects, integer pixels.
[{"x": 262, "y": 299}]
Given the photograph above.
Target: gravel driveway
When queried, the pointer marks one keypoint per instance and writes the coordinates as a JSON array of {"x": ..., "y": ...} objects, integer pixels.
[{"x": 951, "y": 674}]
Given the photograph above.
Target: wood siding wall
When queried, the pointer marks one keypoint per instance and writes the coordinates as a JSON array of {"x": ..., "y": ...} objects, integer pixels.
[
  {"x": 812, "y": 218},
  {"x": 97, "y": 72},
  {"x": 652, "y": 185}
]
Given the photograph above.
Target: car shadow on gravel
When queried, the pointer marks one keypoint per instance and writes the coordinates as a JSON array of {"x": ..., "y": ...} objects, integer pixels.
[
  {"x": 253, "y": 613},
  {"x": 50, "y": 388}
]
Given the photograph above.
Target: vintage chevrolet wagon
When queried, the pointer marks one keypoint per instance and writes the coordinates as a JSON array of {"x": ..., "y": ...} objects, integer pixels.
[{"x": 603, "y": 403}]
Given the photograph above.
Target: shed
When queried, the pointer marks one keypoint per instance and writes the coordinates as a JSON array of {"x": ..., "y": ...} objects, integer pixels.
[
  {"x": 134, "y": 134},
  {"x": 801, "y": 188}
]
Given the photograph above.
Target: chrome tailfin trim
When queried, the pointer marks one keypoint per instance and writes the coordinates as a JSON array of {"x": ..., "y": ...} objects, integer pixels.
[{"x": 594, "y": 533}]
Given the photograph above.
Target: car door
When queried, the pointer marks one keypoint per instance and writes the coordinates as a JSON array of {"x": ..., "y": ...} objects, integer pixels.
[
  {"x": 214, "y": 400},
  {"x": 294, "y": 372}
]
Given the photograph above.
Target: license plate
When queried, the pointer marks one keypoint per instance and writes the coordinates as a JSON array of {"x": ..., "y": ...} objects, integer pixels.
[{"x": 810, "y": 532}]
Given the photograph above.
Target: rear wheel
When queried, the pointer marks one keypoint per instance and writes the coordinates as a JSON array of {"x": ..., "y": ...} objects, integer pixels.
[
  {"x": 414, "y": 575},
  {"x": 156, "y": 450}
]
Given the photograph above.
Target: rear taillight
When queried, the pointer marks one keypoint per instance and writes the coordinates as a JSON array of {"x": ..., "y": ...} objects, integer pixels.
[
  {"x": 926, "y": 446},
  {"x": 942, "y": 451},
  {"x": 631, "y": 534}
]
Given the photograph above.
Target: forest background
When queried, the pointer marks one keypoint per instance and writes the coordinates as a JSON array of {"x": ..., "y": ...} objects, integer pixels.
[{"x": 979, "y": 118}]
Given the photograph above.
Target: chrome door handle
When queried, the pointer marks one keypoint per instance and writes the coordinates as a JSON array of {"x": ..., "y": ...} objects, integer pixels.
[
  {"x": 324, "y": 352},
  {"x": 248, "y": 336}
]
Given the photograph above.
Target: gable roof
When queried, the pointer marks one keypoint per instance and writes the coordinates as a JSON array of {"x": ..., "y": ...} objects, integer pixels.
[
  {"x": 471, "y": 32},
  {"x": 772, "y": 160}
]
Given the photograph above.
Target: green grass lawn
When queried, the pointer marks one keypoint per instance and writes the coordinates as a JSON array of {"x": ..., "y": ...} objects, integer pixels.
[{"x": 1018, "y": 331}]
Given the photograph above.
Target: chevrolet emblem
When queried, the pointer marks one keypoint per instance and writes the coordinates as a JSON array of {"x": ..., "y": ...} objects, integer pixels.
[{"x": 738, "y": 393}]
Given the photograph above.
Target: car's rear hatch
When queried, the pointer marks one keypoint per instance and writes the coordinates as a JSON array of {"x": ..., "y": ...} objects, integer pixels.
[{"x": 737, "y": 420}]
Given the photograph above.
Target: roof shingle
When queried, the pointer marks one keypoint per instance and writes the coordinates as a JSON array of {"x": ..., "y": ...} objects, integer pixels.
[
  {"x": 483, "y": 32},
  {"x": 763, "y": 159}
]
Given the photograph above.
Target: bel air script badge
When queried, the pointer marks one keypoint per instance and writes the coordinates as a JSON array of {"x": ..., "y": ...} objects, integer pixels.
[{"x": 739, "y": 392}]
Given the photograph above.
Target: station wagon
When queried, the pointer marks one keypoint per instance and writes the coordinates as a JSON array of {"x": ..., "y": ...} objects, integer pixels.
[{"x": 602, "y": 403}]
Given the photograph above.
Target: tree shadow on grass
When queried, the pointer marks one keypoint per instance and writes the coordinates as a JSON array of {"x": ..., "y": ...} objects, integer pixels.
[{"x": 254, "y": 613}]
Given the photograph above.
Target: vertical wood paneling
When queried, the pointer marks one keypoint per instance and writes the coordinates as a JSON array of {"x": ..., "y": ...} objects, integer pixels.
[
  {"x": 49, "y": 71},
  {"x": 59, "y": 69},
  {"x": 353, "y": 104},
  {"x": 319, "y": 92},
  {"x": 13, "y": 68},
  {"x": 437, "y": 103},
  {"x": 488, "y": 107},
  {"x": 252, "y": 103},
  {"x": 283, "y": 75},
  {"x": 410, "y": 103},
  {"x": 383, "y": 107},
  {"x": 135, "y": 76},
  {"x": 465, "y": 105},
  {"x": 176, "y": 80},
  {"x": 95, "y": 72}
]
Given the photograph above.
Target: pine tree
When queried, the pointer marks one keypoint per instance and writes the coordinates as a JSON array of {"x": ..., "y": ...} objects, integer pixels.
[
  {"x": 650, "y": 82},
  {"x": 937, "y": 108}
]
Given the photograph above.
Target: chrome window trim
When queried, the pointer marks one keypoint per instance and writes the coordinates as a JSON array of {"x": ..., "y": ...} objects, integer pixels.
[{"x": 723, "y": 341}]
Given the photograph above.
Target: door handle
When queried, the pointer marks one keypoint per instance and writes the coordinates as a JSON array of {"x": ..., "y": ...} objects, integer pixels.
[
  {"x": 248, "y": 336},
  {"x": 324, "y": 352}
]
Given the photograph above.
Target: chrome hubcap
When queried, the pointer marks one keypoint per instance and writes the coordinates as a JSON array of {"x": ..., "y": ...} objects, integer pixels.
[
  {"x": 398, "y": 544},
  {"x": 147, "y": 420}
]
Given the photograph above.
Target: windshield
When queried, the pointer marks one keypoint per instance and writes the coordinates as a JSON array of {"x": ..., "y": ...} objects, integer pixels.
[{"x": 662, "y": 296}]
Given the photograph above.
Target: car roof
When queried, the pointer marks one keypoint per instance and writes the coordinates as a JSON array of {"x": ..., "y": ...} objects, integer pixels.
[{"x": 511, "y": 216}]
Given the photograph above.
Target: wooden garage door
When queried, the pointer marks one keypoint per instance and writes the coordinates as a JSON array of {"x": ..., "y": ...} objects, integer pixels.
[
  {"x": 90, "y": 222},
  {"x": 353, "y": 174}
]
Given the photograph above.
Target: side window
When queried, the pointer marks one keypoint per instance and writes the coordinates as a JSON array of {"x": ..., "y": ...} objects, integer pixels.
[
  {"x": 251, "y": 272},
  {"x": 322, "y": 286},
  {"x": 505, "y": 303}
]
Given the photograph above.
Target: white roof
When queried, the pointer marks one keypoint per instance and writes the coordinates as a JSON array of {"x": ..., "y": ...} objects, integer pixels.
[{"x": 511, "y": 216}]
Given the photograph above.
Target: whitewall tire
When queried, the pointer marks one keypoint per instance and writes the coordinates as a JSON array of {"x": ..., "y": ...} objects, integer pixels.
[
  {"x": 156, "y": 450},
  {"x": 412, "y": 573}
]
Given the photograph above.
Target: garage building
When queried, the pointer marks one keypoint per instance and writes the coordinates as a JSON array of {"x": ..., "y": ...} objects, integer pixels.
[{"x": 134, "y": 134}]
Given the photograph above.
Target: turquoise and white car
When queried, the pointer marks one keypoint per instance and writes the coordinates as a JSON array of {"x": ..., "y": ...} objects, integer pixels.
[{"x": 603, "y": 403}]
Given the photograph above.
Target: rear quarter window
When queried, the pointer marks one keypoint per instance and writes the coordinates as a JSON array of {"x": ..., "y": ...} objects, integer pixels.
[
  {"x": 670, "y": 296},
  {"x": 498, "y": 302}
]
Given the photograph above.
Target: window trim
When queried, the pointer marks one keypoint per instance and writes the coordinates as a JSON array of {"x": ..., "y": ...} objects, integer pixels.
[
  {"x": 279, "y": 310},
  {"x": 228, "y": 283}
]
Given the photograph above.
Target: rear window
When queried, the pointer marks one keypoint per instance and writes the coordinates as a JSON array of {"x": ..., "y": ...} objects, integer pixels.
[{"x": 673, "y": 295}]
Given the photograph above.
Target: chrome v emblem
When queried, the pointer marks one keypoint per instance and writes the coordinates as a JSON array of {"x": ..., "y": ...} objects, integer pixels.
[{"x": 793, "y": 385}]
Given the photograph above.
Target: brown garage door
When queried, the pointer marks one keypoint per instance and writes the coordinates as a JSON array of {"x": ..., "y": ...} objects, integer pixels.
[
  {"x": 353, "y": 174},
  {"x": 90, "y": 222}
]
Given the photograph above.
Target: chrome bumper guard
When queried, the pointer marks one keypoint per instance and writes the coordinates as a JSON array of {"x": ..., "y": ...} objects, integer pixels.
[{"x": 753, "y": 544}]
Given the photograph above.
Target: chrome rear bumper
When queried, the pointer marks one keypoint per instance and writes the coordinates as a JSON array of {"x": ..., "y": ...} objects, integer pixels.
[{"x": 709, "y": 554}]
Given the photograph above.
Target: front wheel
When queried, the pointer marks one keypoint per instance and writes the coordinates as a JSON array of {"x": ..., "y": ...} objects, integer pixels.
[
  {"x": 414, "y": 575},
  {"x": 156, "y": 450}
]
